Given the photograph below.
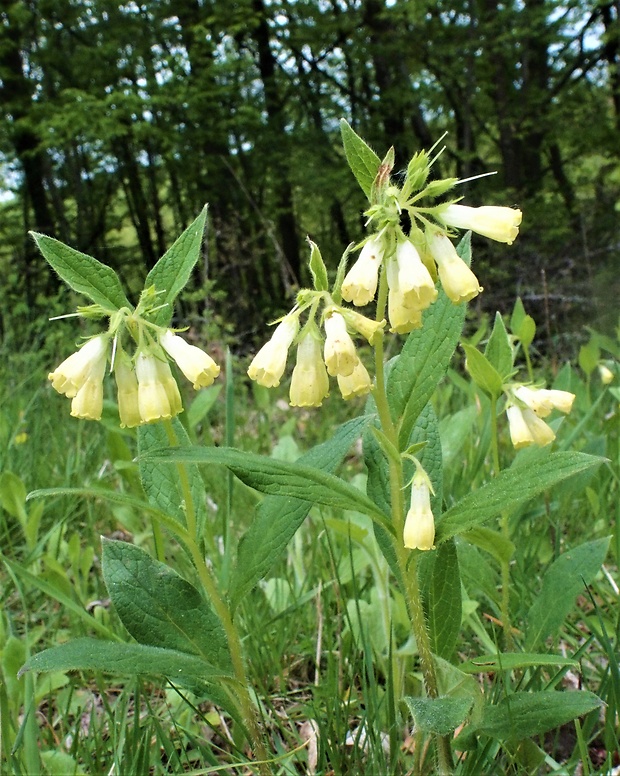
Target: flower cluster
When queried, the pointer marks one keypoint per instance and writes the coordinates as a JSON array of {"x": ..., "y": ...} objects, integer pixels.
[
  {"x": 147, "y": 390},
  {"x": 525, "y": 409},
  {"x": 318, "y": 357}
]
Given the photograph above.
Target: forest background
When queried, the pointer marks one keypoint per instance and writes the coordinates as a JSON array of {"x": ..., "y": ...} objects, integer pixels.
[{"x": 121, "y": 120}]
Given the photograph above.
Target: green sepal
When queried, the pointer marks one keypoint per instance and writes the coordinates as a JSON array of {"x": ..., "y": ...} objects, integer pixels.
[
  {"x": 318, "y": 269},
  {"x": 440, "y": 187},
  {"x": 482, "y": 372},
  {"x": 363, "y": 161},
  {"x": 417, "y": 174}
]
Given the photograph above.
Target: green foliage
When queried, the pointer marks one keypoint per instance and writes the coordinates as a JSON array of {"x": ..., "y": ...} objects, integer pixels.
[{"x": 363, "y": 161}]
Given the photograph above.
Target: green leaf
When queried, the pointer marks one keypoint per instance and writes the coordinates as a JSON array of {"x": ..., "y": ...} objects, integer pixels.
[
  {"x": 482, "y": 372},
  {"x": 129, "y": 659},
  {"x": 363, "y": 161},
  {"x": 173, "y": 270},
  {"x": 317, "y": 268},
  {"x": 438, "y": 715},
  {"x": 522, "y": 325},
  {"x": 444, "y": 610},
  {"x": 510, "y": 661},
  {"x": 12, "y": 495},
  {"x": 517, "y": 317},
  {"x": 83, "y": 274},
  {"x": 564, "y": 580},
  {"x": 589, "y": 356},
  {"x": 160, "y": 608},
  {"x": 510, "y": 488},
  {"x": 498, "y": 350},
  {"x": 493, "y": 542},
  {"x": 278, "y": 478},
  {"x": 201, "y": 405},
  {"x": 525, "y": 714},
  {"x": 425, "y": 357},
  {"x": 279, "y": 517},
  {"x": 161, "y": 482}
]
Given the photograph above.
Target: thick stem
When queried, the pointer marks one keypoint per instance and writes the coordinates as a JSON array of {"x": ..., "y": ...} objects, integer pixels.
[{"x": 221, "y": 608}]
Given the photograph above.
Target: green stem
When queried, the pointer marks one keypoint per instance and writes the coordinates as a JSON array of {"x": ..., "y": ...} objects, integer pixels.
[
  {"x": 505, "y": 529},
  {"x": 221, "y": 609},
  {"x": 528, "y": 363}
]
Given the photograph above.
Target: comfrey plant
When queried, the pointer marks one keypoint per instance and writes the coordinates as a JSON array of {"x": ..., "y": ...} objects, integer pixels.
[{"x": 417, "y": 282}]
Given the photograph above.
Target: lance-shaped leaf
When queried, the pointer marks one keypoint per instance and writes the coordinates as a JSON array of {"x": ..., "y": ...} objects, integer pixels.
[
  {"x": 512, "y": 487},
  {"x": 83, "y": 273},
  {"x": 317, "y": 268},
  {"x": 172, "y": 271},
  {"x": 510, "y": 661},
  {"x": 160, "y": 608},
  {"x": 279, "y": 478},
  {"x": 279, "y": 517},
  {"x": 482, "y": 372},
  {"x": 499, "y": 350},
  {"x": 363, "y": 161}
]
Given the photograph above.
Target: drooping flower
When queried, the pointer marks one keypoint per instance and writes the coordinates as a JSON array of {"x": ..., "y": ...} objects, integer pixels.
[
  {"x": 310, "y": 383},
  {"x": 458, "y": 281},
  {"x": 404, "y": 317},
  {"x": 367, "y": 327},
  {"x": 419, "y": 530},
  {"x": 356, "y": 384},
  {"x": 496, "y": 223},
  {"x": 339, "y": 352},
  {"x": 153, "y": 399},
  {"x": 269, "y": 363},
  {"x": 527, "y": 428},
  {"x": 199, "y": 368},
  {"x": 543, "y": 401},
  {"x": 127, "y": 393},
  {"x": 74, "y": 371},
  {"x": 87, "y": 404},
  {"x": 360, "y": 283},
  {"x": 414, "y": 280}
]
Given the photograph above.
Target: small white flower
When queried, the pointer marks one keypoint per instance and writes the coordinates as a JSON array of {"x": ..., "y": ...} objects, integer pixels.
[
  {"x": 360, "y": 283},
  {"x": 199, "y": 368},
  {"x": 526, "y": 428},
  {"x": 496, "y": 223},
  {"x": 605, "y": 374},
  {"x": 414, "y": 280},
  {"x": 339, "y": 353},
  {"x": 403, "y": 317},
  {"x": 543, "y": 401},
  {"x": 74, "y": 371},
  {"x": 419, "y": 531},
  {"x": 310, "y": 383},
  {"x": 458, "y": 281},
  {"x": 153, "y": 401},
  {"x": 356, "y": 384},
  {"x": 269, "y": 363}
]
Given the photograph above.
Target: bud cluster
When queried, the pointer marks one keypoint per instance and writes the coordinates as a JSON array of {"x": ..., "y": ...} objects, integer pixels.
[
  {"x": 146, "y": 388},
  {"x": 319, "y": 356}
]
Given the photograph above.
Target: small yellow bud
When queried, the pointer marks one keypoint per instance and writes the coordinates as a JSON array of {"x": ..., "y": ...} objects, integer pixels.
[
  {"x": 605, "y": 374},
  {"x": 71, "y": 375},
  {"x": 310, "y": 383},
  {"x": 542, "y": 401},
  {"x": 496, "y": 223},
  {"x": 419, "y": 531},
  {"x": 127, "y": 385},
  {"x": 339, "y": 352},
  {"x": 356, "y": 384},
  {"x": 269, "y": 363},
  {"x": 526, "y": 428},
  {"x": 414, "y": 280},
  {"x": 199, "y": 368},
  {"x": 360, "y": 283},
  {"x": 457, "y": 279}
]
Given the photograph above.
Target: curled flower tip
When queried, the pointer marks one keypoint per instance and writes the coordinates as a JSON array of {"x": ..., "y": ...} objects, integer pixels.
[
  {"x": 339, "y": 352},
  {"x": 542, "y": 401},
  {"x": 127, "y": 385},
  {"x": 458, "y": 281},
  {"x": 71, "y": 375},
  {"x": 526, "y": 428},
  {"x": 360, "y": 283},
  {"x": 414, "y": 280},
  {"x": 199, "y": 368},
  {"x": 356, "y": 384},
  {"x": 310, "y": 383},
  {"x": 153, "y": 394},
  {"x": 496, "y": 223},
  {"x": 269, "y": 363},
  {"x": 419, "y": 530}
]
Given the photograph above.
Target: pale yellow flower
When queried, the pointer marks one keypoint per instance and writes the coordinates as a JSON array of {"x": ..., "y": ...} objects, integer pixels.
[
  {"x": 414, "y": 280},
  {"x": 87, "y": 404},
  {"x": 269, "y": 363},
  {"x": 360, "y": 283},
  {"x": 153, "y": 401},
  {"x": 367, "y": 327},
  {"x": 543, "y": 401},
  {"x": 403, "y": 317},
  {"x": 356, "y": 384},
  {"x": 199, "y": 368},
  {"x": 171, "y": 388},
  {"x": 419, "y": 531},
  {"x": 127, "y": 385},
  {"x": 339, "y": 352},
  {"x": 497, "y": 223},
  {"x": 71, "y": 375},
  {"x": 457, "y": 279},
  {"x": 527, "y": 428},
  {"x": 310, "y": 383}
]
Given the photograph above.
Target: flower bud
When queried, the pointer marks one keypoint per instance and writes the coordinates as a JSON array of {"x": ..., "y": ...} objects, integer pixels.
[
  {"x": 310, "y": 383},
  {"x": 127, "y": 385},
  {"x": 199, "y": 368},
  {"x": 339, "y": 352},
  {"x": 360, "y": 283},
  {"x": 356, "y": 384},
  {"x": 457, "y": 279},
  {"x": 496, "y": 223},
  {"x": 71, "y": 375},
  {"x": 419, "y": 531},
  {"x": 526, "y": 428},
  {"x": 269, "y": 363},
  {"x": 542, "y": 401},
  {"x": 605, "y": 374}
]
